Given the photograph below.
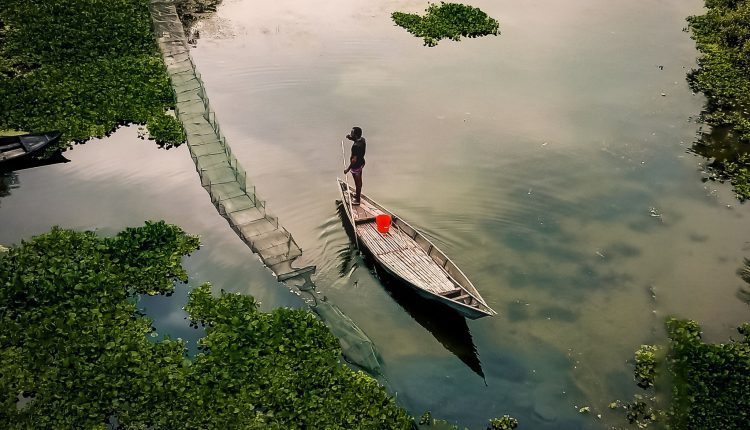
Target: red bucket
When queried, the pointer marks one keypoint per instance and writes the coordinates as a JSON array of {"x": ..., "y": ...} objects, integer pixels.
[{"x": 383, "y": 222}]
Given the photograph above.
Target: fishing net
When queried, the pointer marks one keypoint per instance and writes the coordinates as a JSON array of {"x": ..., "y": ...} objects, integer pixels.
[
  {"x": 233, "y": 195},
  {"x": 358, "y": 348},
  {"x": 356, "y": 345}
]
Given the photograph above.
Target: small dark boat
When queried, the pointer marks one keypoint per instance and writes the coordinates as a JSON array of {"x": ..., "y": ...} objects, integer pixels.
[
  {"x": 16, "y": 147},
  {"x": 407, "y": 254}
]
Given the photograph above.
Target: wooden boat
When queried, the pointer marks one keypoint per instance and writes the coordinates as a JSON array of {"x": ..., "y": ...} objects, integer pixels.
[
  {"x": 408, "y": 255},
  {"x": 16, "y": 147}
]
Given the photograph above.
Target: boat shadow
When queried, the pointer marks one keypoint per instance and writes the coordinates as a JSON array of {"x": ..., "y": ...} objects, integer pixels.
[
  {"x": 31, "y": 162},
  {"x": 445, "y": 324},
  {"x": 9, "y": 177}
]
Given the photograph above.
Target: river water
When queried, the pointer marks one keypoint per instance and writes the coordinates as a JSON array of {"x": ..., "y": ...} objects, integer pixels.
[{"x": 550, "y": 163}]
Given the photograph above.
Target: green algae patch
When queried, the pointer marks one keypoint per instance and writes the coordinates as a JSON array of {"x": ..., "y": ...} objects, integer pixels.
[
  {"x": 83, "y": 67},
  {"x": 447, "y": 21},
  {"x": 75, "y": 352},
  {"x": 722, "y": 35}
]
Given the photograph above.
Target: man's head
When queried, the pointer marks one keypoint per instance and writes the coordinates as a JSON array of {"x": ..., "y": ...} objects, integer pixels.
[{"x": 356, "y": 132}]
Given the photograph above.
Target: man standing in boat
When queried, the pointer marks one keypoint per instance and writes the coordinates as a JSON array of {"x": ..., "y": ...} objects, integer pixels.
[{"x": 357, "y": 160}]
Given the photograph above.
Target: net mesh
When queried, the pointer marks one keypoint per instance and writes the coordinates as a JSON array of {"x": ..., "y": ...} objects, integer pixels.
[{"x": 231, "y": 192}]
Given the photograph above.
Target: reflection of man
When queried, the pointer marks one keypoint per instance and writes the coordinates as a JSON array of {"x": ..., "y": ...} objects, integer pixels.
[{"x": 356, "y": 161}]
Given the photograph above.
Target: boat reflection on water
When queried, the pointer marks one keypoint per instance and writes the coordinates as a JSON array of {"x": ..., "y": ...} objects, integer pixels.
[
  {"x": 445, "y": 324},
  {"x": 31, "y": 162},
  {"x": 9, "y": 178}
]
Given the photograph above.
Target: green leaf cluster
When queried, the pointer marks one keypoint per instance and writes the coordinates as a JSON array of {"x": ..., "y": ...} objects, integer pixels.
[
  {"x": 722, "y": 35},
  {"x": 447, "y": 20},
  {"x": 71, "y": 341},
  {"x": 710, "y": 383},
  {"x": 83, "y": 67},
  {"x": 282, "y": 367},
  {"x": 645, "y": 365},
  {"x": 191, "y": 11},
  {"x": 642, "y": 411},
  {"x": 506, "y": 422},
  {"x": 74, "y": 351}
]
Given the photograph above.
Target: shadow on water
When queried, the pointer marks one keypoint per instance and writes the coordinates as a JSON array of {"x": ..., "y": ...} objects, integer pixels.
[
  {"x": 8, "y": 181},
  {"x": 9, "y": 178},
  {"x": 31, "y": 162},
  {"x": 445, "y": 324}
]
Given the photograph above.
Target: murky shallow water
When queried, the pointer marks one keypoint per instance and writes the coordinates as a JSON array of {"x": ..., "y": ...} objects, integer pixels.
[{"x": 544, "y": 161}]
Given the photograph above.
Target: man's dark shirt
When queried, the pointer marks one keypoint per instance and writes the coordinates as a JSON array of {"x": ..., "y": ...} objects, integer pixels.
[{"x": 358, "y": 150}]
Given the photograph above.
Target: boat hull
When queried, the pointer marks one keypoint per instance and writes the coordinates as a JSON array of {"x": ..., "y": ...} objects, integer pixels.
[
  {"x": 13, "y": 148},
  {"x": 466, "y": 311}
]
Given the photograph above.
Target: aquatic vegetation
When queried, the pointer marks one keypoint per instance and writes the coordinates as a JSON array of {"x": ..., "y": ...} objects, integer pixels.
[
  {"x": 191, "y": 11},
  {"x": 426, "y": 418},
  {"x": 710, "y": 383},
  {"x": 74, "y": 350},
  {"x": 743, "y": 293},
  {"x": 645, "y": 365},
  {"x": 447, "y": 20},
  {"x": 642, "y": 411},
  {"x": 506, "y": 422},
  {"x": 722, "y": 36},
  {"x": 83, "y": 67}
]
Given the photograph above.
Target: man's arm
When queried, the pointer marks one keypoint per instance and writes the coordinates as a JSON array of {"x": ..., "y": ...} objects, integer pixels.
[{"x": 352, "y": 161}]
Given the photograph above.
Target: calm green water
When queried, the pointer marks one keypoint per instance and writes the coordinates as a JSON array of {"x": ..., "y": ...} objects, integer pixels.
[{"x": 544, "y": 161}]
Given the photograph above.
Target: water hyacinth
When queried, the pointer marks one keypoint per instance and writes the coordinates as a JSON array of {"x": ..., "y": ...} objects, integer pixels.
[
  {"x": 723, "y": 76},
  {"x": 447, "y": 20},
  {"x": 83, "y": 67},
  {"x": 76, "y": 353}
]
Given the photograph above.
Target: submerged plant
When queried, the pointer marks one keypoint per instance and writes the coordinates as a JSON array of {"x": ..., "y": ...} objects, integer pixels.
[
  {"x": 426, "y": 418},
  {"x": 447, "y": 20},
  {"x": 641, "y": 411}
]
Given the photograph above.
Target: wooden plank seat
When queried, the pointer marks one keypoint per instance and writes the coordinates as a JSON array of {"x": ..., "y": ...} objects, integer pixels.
[
  {"x": 364, "y": 220},
  {"x": 452, "y": 293},
  {"x": 463, "y": 298}
]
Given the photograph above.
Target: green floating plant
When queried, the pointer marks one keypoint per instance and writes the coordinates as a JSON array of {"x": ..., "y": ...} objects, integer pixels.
[
  {"x": 506, "y": 422},
  {"x": 83, "y": 67},
  {"x": 709, "y": 382},
  {"x": 645, "y": 365},
  {"x": 722, "y": 35},
  {"x": 76, "y": 352},
  {"x": 447, "y": 20}
]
